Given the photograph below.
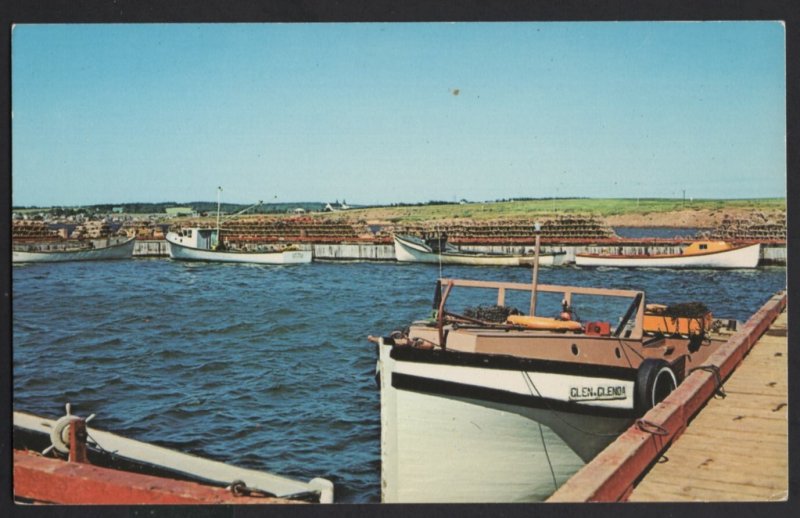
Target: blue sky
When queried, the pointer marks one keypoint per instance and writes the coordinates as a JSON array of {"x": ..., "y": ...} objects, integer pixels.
[{"x": 390, "y": 112}]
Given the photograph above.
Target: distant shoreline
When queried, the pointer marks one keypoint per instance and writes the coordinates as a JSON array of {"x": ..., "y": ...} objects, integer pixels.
[{"x": 646, "y": 213}]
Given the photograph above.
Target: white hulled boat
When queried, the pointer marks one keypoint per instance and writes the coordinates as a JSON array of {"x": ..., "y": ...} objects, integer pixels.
[
  {"x": 437, "y": 250},
  {"x": 203, "y": 244},
  {"x": 507, "y": 410},
  {"x": 89, "y": 250},
  {"x": 700, "y": 254},
  {"x": 106, "y": 449}
]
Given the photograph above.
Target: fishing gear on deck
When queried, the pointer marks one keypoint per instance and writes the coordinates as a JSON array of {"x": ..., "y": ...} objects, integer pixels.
[{"x": 496, "y": 314}]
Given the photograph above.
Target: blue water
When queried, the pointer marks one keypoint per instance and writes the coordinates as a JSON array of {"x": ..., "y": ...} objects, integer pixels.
[
  {"x": 266, "y": 367},
  {"x": 656, "y": 232}
]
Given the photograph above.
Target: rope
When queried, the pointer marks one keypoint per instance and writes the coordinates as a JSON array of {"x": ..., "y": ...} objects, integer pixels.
[
  {"x": 239, "y": 488},
  {"x": 714, "y": 369},
  {"x": 650, "y": 427},
  {"x": 532, "y": 388},
  {"x": 547, "y": 455}
]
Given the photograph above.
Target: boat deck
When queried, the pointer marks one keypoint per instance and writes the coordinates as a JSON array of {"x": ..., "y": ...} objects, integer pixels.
[
  {"x": 737, "y": 448},
  {"x": 696, "y": 446}
]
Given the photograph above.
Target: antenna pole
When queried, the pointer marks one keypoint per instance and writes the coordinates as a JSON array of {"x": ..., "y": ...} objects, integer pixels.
[
  {"x": 535, "y": 281},
  {"x": 219, "y": 193}
]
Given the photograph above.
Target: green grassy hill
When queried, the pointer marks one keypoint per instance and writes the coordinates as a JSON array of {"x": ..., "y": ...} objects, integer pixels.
[{"x": 531, "y": 208}]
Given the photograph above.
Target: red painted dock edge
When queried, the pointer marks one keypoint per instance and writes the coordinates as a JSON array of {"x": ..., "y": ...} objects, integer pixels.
[
  {"x": 47, "y": 480},
  {"x": 611, "y": 476}
]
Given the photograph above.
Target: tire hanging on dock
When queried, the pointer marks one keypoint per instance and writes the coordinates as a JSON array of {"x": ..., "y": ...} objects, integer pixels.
[{"x": 655, "y": 379}]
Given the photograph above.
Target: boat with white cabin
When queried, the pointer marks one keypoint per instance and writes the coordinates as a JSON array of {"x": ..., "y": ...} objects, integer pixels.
[
  {"x": 437, "y": 250},
  {"x": 102, "y": 249},
  {"x": 478, "y": 408},
  {"x": 700, "y": 254},
  {"x": 206, "y": 244},
  {"x": 203, "y": 244}
]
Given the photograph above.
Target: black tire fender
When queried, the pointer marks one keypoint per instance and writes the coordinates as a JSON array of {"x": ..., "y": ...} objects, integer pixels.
[{"x": 655, "y": 379}]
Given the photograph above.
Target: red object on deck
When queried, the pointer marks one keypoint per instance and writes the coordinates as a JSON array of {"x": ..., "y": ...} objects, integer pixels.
[
  {"x": 47, "y": 480},
  {"x": 598, "y": 328}
]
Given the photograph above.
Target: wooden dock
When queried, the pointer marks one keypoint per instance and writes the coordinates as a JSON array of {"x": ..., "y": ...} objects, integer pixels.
[
  {"x": 737, "y": 448},
  {"x": 699, "y": 446}
]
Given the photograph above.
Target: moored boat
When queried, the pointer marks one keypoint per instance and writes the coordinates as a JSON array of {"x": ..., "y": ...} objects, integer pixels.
[
  {"x": 61, "y": 251},
  {"x": 111, "y": 461},
  {"x": 508, "y": 409},
  {"x": 437, "y": 250},
  {"x": 700, "y": 254},
  {"x": 203, "y": 244},
  {"x": 206, "y": 244}
]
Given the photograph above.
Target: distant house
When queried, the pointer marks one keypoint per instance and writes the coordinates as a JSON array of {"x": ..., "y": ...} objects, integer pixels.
[
  {"x": 336, "y": 206},
  {"x": 299, "y": 210},
  {"x": 174, "y": 212},
  {"x": 118, "y": 210}
]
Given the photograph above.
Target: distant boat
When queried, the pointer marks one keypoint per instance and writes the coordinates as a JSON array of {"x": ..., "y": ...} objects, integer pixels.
[
  {"x": 700, "y": 254},
  {"x": 437, "y": 250},
  {"x": 203, "y": 244},
  {"x": 91, "y": 250},
  {"x": 101, "y": 451}
]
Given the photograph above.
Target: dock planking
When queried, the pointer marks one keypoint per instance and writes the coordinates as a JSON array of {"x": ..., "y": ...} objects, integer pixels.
[{"x": 736, "y": 448}]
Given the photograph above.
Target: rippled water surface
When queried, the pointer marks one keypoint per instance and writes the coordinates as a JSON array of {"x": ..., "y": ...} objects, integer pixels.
[
  {"x": 655, "y": 232},
  {"x": 266, "y": 367}
]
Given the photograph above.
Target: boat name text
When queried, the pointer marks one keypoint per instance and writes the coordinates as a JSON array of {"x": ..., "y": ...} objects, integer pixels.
[{"x": 595, "y": 393}]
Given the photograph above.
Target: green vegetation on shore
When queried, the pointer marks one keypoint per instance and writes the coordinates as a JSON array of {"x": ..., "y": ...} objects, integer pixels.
[
  {"x": 521, "y": 209},
  {"x": 506, "y": 209}
]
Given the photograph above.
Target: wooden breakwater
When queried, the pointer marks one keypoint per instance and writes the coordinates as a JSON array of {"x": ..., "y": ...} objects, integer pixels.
[
  {"x": 770, "y": 255},
  {"x": 707, "y": 462},
  {"x": 349, "y": 240}
]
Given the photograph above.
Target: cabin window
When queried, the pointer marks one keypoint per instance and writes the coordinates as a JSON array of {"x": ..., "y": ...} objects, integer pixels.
[{"x": 704, "y": 247}]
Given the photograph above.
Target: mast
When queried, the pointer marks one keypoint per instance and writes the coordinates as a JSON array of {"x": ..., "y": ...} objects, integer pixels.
[
  {"x": 219, "y": 192},
  {"x": 535, "y": 279}
]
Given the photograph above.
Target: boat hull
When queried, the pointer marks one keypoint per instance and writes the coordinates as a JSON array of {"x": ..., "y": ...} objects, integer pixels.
[
  {"x": 410, "y": 252},
  {"x": 182, "y": 465},
  {"x": 469, "y": 435},
  {"x": 739, "y": 257},
  {"x": 120, "y": 251},
  {"x": 185, "y": 253}
]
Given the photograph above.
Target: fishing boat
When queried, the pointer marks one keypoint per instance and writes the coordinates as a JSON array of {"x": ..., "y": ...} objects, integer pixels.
[
  {"x": 203, "y": 244},
  {"x": 437, "y": 250},
  {"x": 84, "y": 250},
  {"x": 477, "y": 407},
  {"x": 700, "y": 254},
  {"x": 107, "y": 468}
]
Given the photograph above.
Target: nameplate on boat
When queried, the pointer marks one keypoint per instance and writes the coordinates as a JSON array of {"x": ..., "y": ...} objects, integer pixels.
[{"x": 603, "y": 392}]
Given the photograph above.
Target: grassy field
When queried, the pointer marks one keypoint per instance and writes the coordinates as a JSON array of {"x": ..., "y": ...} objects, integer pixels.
[{"x": 532, "y": 208}]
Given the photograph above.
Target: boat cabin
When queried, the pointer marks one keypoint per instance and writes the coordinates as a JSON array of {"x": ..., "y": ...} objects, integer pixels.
[
  {"x": 705, "y": 247},
  {"x": 622, "y": 342},
  {"x": 202, "y": 238}
]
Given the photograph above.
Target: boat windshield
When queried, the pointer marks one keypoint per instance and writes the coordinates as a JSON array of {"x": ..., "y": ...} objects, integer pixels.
[{"x": 494, "y": 302}]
